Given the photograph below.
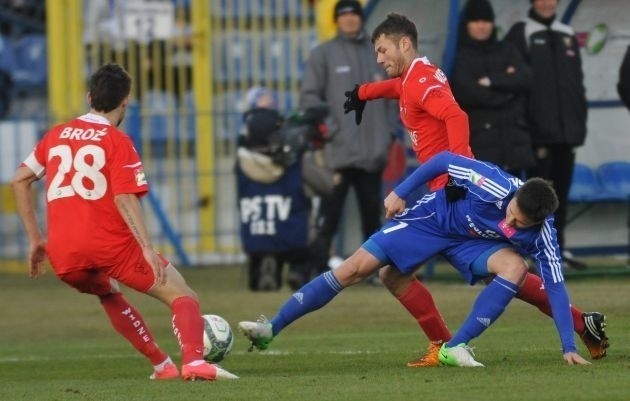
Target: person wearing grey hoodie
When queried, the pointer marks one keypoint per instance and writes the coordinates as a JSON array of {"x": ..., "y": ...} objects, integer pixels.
[{"x": 356, "y": 153}]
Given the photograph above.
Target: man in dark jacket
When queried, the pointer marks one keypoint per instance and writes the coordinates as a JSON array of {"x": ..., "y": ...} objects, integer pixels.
[
  {"x": 623, "y": 86},
  {"x": 490, "y": 82},
  {"x": 557, "y": 107}
]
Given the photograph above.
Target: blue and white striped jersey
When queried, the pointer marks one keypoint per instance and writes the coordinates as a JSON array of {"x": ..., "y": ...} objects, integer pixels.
[{"x": 481, "y": 214}]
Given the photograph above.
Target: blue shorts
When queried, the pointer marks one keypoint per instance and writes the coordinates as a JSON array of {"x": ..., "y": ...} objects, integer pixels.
[{"x": 408, "y": 245}]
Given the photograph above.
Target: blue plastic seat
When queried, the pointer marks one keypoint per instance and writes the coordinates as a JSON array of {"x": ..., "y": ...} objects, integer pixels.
[
  {"x": 615, "y": 178},
  {"x": 7, "y": 54},
  {"x": 31, "y": 69},
  {"x": 587, "y": 188}
]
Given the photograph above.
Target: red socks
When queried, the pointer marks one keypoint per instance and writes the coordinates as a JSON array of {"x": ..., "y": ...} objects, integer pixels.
[
  {"x": 188, "y": 328},
  {"x": 128, "y": 322},
  {"x": 533, "y": 292},
  {"x": 419, "y": 302}
]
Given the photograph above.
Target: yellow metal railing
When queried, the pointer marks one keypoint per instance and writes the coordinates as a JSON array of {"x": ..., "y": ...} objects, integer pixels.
[
  {"x": 64, "y": 31},
  {"x": 190, "y": 80}
]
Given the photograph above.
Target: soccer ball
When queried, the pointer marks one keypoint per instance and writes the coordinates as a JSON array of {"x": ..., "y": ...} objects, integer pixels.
[
  {"x": 596, "y": 39},
  {"x": 217, "y": 338}
]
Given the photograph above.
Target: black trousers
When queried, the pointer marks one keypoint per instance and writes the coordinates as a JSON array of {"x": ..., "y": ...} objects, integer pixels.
[
  {"x": 555, "y": 164},
  {"x": 265, "y": 268},
  {"x": 367, "y": 187}
]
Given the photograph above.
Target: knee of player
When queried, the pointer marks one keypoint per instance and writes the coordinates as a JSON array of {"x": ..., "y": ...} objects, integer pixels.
[
  {"x": 512, "y": 269},
  {"x": 390, "y": 277},
  {"x": 350, "y": 272}
]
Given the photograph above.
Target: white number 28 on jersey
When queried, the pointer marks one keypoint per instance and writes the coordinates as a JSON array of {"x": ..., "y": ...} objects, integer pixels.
[{"x": 79, "y": 169}]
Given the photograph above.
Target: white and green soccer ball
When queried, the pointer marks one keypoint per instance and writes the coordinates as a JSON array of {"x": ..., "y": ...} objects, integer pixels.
[
  {"x": 217, "y": 338},
  {"x": 596, "y": 39}
]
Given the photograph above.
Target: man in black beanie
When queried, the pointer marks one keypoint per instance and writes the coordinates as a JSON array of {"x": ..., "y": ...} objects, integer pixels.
[
  {"x": 357, "y": 153},
  {"x": 556, "y": 117},
  {"x": 490, "y": 81},
  {"x": 348, "y": 6},
  {"x": 478, "y": 10}
]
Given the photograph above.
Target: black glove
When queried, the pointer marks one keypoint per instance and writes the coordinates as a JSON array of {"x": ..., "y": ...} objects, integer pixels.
[
  {"x": 454, "y": 192},
  {"x": 354, "y": 103}
]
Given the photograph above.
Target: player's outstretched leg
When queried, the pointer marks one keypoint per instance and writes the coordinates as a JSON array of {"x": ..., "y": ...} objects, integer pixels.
[
  {"x": 594, "y": 334},
  {"x": 460, "y": 355},
  {"x": 312, "y": 296},
  {"x": 188, "y": 328},
  {"x": 260, "y": 333},
  {"x": 418, "y": 301},
  {"x": 129, "y": 323}
]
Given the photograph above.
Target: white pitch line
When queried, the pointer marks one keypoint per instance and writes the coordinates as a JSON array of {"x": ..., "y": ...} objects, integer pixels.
[{"x": 39, "y": 358}]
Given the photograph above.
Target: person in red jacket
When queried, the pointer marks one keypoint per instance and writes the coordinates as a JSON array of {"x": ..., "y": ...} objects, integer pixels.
[{"x": 435, "y": 123}]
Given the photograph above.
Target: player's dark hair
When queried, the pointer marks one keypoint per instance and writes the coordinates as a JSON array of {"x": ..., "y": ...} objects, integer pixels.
[
  {"x": 108, "y": 87},
  {"x": 396, "y": 26},
  {"x": 537, "y": 199}
]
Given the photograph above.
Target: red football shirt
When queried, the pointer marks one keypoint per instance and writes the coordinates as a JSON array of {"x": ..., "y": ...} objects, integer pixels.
[
  {"x": 87, "y": 161},
  {"x": 428, "y": 110}
]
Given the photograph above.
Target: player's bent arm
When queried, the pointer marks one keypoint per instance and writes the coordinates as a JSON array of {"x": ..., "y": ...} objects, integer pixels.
[
  {"x": 131, "y": 210},
  {"x": 435, "y": 166},
  {"x": 445, "y": 108},
  {"x": 21, "y": 185},
  {"x": 393, "y": 205},
  {"x": 387, "y": 89},
  {"x": 545, "y": 251}
]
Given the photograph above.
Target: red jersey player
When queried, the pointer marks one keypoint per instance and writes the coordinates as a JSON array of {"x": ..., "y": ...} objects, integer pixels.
[
  {"x": 96, "y": 231},
  {"x": 435, "y": 122}
]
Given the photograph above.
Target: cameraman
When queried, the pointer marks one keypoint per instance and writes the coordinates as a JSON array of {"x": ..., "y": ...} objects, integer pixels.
[{"x": 279, "y": 170}]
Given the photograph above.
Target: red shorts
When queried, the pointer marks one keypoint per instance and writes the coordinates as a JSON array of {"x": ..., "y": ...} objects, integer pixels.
[{"x": 134, "y": 272}]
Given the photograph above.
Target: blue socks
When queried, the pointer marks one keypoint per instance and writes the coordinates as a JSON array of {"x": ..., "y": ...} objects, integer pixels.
[
  {"x": 312, "y": 296},
  {"x": 488, "y": 306}
]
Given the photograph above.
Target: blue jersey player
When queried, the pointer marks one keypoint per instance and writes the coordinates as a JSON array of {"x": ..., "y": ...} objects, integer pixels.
[{"x": 499, "y": 211}]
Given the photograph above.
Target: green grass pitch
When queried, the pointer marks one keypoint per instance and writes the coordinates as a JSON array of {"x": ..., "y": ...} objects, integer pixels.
[{"x": 56, "y": 344}]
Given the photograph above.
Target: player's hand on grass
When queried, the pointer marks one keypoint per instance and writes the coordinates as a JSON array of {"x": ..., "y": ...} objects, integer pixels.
[
  {"x": 393, "y": 205},
  {"x": 157, "y": 264},
  {"x": 36, "y": 258},
  {"x": 354, "y": 103},
  {"x": 573, "y": 358}
]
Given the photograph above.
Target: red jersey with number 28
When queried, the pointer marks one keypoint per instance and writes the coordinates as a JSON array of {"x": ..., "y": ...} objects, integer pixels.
[
  {"x": 86, "y": 163},
  {"x": 428, "y": 110}
]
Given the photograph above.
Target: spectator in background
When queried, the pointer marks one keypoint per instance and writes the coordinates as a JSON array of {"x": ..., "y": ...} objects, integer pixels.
[
  {"x": 6, "y": 86},
  {"x": 490, "y": 81},
  {"x": 357, "y": 154},
  {"x": 275, "y": 162},
  {"x": 557, "y": 108},
  {"x": 623, "y": 86}
]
